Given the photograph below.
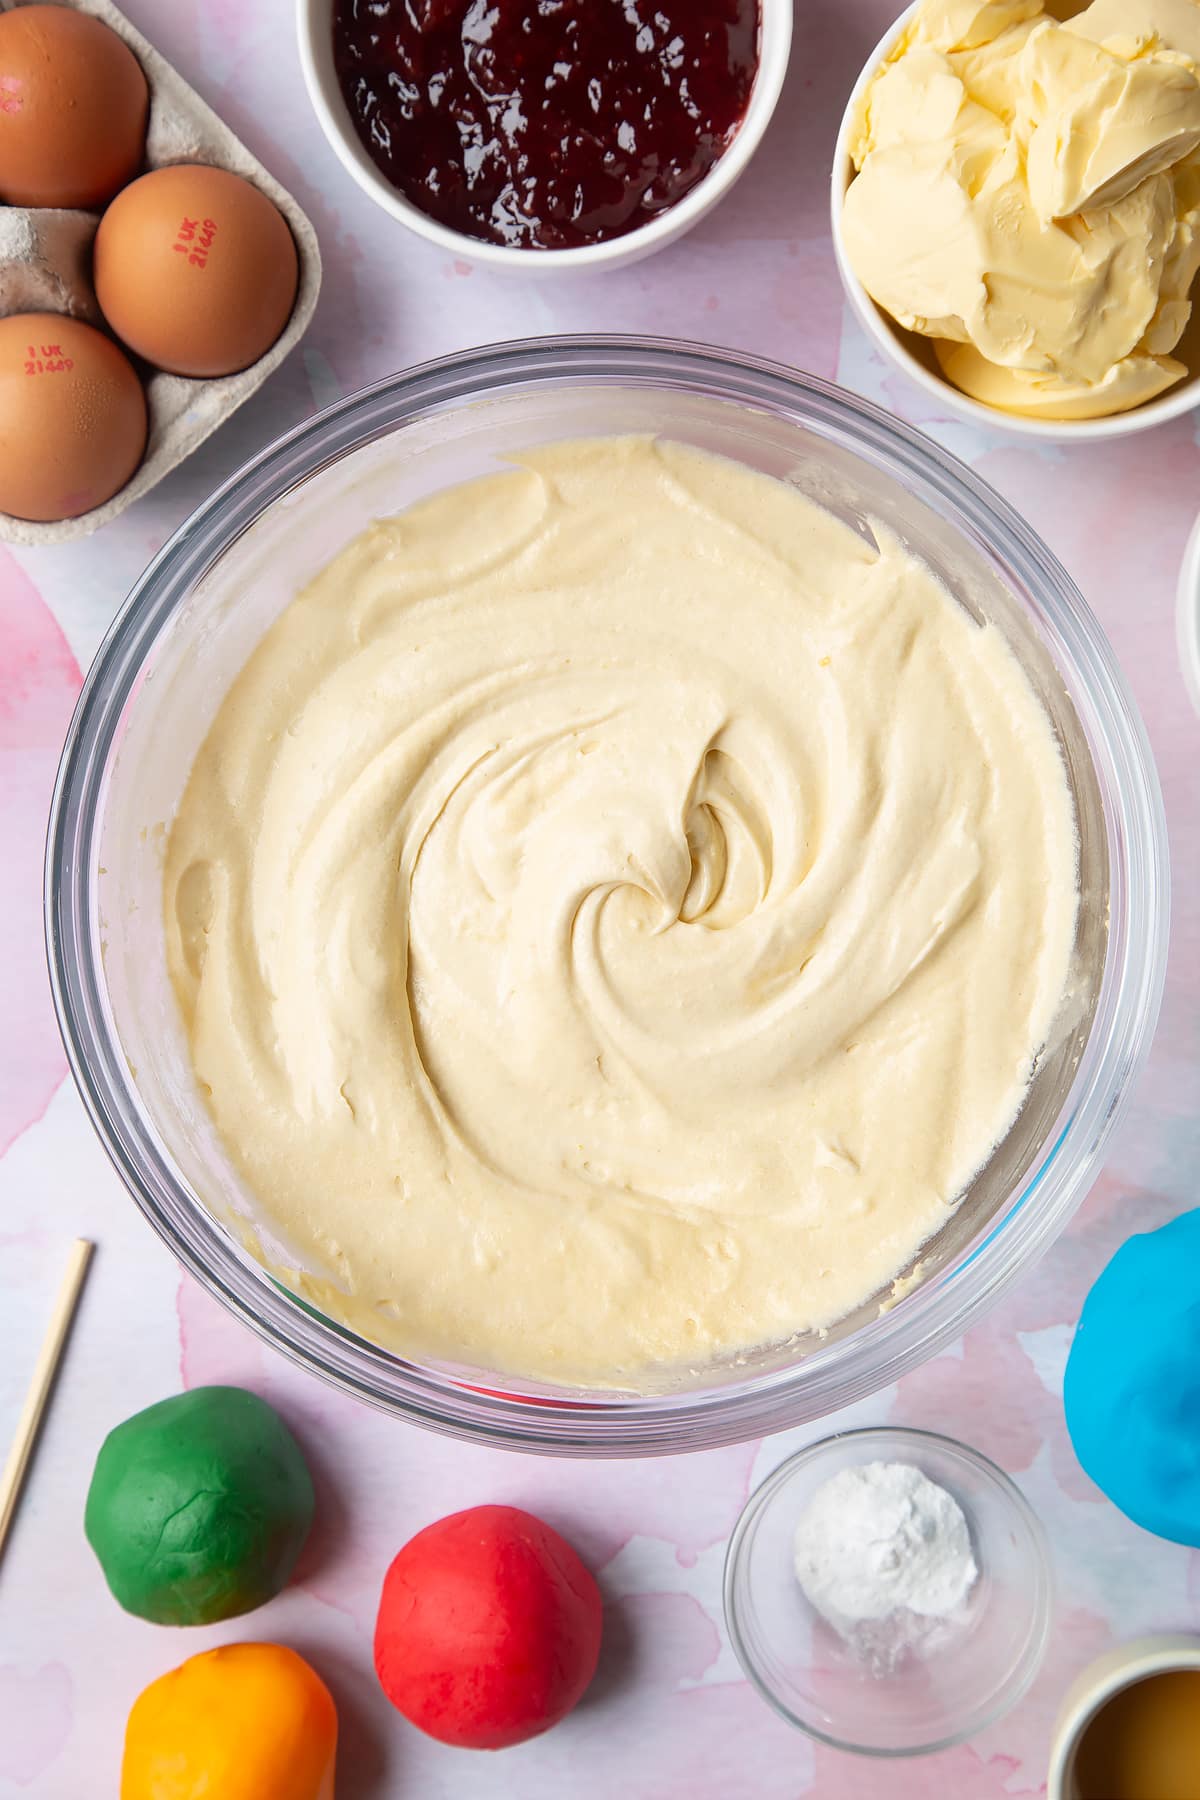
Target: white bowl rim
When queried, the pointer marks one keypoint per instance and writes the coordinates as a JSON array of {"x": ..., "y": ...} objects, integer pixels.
[
  {"x": 1116, "y": 1669},
  {"x": 1173, "y": 405},
  {"x": 1187, "y": 616},
  {"x": 313, "y": 26}
]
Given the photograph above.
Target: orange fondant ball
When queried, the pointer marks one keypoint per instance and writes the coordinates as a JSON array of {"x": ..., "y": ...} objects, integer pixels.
[
  {"x": 247, "y": 1722},
  {"x": 489, "y": 1628}
]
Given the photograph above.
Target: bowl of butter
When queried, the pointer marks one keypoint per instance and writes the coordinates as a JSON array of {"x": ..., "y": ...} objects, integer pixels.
[{"x": 1016, "y": 210}]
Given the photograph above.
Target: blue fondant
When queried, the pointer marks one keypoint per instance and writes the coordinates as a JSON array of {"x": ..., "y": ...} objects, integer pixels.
[{"x": 1132, "y": 1387}]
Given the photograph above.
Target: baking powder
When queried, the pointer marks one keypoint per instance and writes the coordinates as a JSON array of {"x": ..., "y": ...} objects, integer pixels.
[{"x": 884, "y": 1555}]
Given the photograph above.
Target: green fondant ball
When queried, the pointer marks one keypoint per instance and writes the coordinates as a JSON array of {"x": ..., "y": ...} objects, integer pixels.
[{"x": 199, "y": 1507}]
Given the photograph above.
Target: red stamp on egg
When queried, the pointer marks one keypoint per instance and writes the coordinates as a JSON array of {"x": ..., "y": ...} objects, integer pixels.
[
  {"x": 47, "y": 359},
  {"x": 194, "y": 239}
]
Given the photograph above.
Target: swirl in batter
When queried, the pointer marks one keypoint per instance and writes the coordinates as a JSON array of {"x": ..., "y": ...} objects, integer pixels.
[{"x": 615, "y": 913}]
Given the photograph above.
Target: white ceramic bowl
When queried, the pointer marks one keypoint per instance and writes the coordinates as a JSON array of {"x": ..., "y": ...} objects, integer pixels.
[
  {"x": 897, "y": 345},
  {"x": 314, "y": 19},
  {"x": 1187, "y": 616},
  {"x": 1096, "y": 1685}
]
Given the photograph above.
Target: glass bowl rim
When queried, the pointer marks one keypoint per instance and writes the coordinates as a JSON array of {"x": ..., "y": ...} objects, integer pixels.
[
  {"x": 1024, "y": 1672},
  {"x": 939, "y": 1308}
]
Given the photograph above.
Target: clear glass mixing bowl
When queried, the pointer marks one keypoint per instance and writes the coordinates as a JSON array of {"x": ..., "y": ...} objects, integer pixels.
[{"x": 192, "y": 620}]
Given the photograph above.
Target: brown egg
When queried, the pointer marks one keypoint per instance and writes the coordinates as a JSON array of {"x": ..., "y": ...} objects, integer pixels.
[
  {"x": 73, "y": 104},
  {"x": 195, "y": 269},
  {"x": 72, "y": 417}
]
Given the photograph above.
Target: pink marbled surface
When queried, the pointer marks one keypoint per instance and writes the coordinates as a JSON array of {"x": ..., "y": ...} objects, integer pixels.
[{"x": 670, "y": 1718}]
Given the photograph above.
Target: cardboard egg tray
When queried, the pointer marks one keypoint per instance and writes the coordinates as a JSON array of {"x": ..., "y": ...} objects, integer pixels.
[{"x": 45, "y": 266}]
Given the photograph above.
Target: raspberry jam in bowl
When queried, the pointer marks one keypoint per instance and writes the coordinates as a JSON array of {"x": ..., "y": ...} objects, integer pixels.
[
  {"x": 545, "y": 127},
  {"x": 577, "y": 131}
]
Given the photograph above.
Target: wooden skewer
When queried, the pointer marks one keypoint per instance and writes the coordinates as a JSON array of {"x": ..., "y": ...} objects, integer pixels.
[{"x": 43, "y": 1381}]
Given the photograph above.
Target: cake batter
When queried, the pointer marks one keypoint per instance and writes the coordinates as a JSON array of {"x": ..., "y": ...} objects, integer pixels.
[{"x": 615, "y": 912}]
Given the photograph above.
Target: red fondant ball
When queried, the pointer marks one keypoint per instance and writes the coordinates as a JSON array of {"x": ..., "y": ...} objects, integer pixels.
[{"x": 488, "y": 1628}]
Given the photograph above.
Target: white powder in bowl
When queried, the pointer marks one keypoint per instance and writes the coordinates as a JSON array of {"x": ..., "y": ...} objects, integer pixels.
[{"x": 884, "y": 1555}]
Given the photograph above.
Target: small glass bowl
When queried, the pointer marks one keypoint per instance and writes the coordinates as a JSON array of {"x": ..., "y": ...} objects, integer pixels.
[{"x": 964, "y": 1676}]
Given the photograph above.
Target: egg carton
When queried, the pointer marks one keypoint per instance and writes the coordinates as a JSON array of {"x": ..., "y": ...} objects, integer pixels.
[{"x": 46, "y": 266}]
